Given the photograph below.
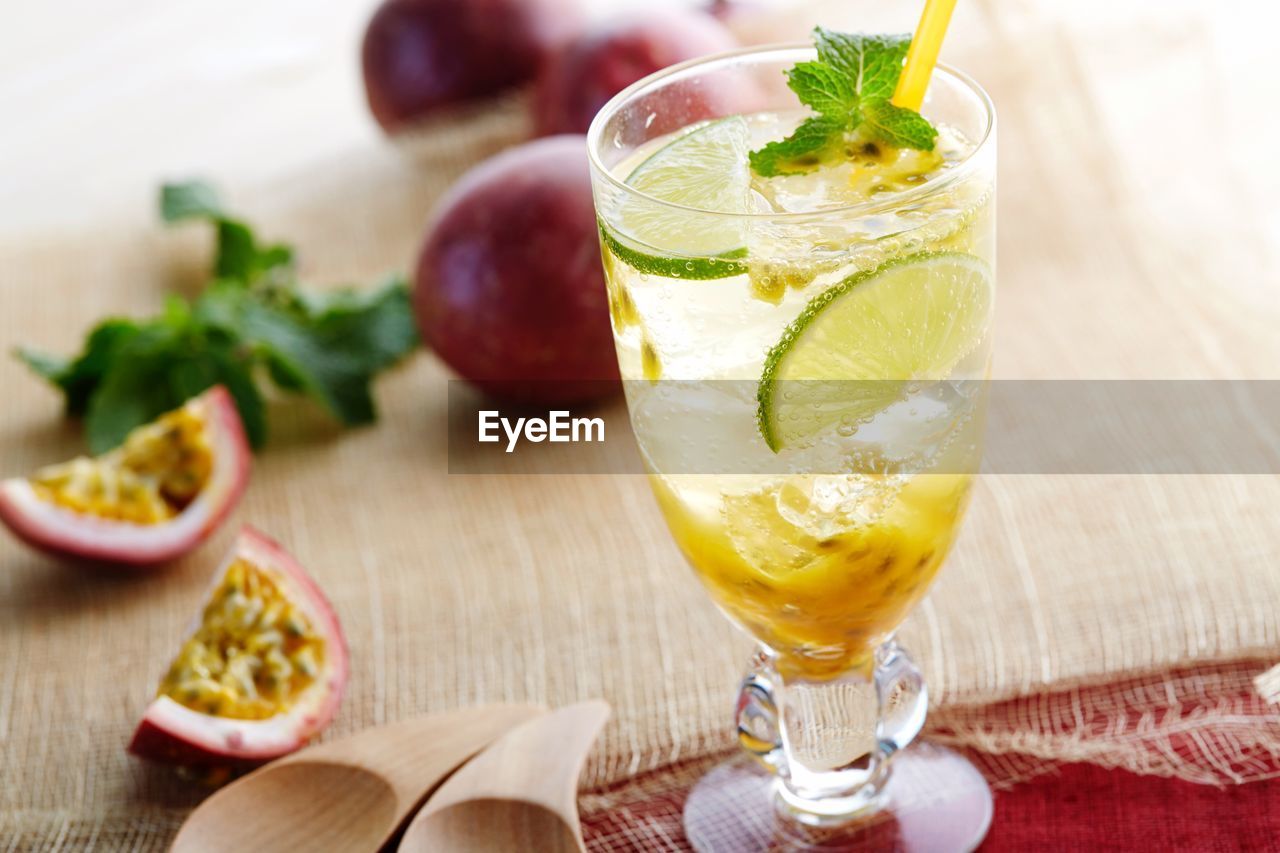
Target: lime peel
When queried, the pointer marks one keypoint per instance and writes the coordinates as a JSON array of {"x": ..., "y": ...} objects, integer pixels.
[
  {"x": 715, "y": 266},
  {"x": 702, "y": 170}
]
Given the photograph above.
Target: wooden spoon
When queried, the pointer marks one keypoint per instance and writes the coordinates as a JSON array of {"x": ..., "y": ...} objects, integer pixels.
[
  {"x": 519, "y": 794},
  {"x": 349, "y": 794}
]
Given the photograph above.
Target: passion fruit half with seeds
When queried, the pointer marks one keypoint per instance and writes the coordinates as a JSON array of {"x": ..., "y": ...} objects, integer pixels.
[
  {"x": 152, "y": 499},
  {"x": 261, "y": 672}
]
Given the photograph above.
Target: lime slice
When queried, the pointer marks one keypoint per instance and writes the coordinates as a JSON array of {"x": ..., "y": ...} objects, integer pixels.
[
  {"x": 859, "y": 344},
  {"x": 705, "y": 169}
]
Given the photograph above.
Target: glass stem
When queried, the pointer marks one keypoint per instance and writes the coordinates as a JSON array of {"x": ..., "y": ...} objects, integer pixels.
[{"x": 831, "y": 742}]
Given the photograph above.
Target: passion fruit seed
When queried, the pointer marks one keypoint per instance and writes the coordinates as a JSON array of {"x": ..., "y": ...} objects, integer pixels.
[
  {"x": 881, "y": 169},
  {"x": 152, "y": 477},
  {"x": 253, "y": 653}
]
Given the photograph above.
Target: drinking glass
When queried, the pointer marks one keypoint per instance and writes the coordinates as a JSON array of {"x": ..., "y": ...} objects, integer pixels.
[{"x": 806, "y": 381}]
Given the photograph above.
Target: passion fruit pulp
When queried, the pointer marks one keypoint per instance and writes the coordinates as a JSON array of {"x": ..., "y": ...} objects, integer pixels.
[
  {"x": 261, "y": 672},
  {"x": 253, "y": 653},
  {"x": 150, "y": 478},
  {"x": 157, "y": 496}
]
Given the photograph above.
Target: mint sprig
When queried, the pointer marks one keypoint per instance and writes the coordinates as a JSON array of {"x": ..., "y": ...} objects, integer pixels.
[
  {"x": 239, "y": 256},
  {"x": 251, "y": 321},
  {"x": 849, "y": 86}
]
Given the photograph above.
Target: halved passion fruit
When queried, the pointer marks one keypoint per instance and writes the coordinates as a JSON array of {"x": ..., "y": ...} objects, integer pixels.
[
  {"x": 153, "y": 498},
  {"x": 261, "y": 673}
]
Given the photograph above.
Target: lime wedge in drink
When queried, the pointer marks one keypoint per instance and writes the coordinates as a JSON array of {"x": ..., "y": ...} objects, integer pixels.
[
  {"x": 855, "y": 348},
  {"x": 705, "y": 169}
]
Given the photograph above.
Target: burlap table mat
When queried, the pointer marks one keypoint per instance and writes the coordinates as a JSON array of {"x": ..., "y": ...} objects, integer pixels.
[{"x": 460, "y": 590}]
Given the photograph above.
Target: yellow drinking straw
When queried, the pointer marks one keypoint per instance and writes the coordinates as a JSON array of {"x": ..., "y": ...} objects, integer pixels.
[{"x": 923, "y": 54}]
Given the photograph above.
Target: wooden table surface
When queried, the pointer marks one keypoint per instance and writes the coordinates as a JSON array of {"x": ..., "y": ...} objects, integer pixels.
[{"x": 1139, "y": 238}]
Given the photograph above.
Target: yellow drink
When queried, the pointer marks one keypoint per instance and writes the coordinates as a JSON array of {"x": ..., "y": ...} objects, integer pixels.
[
  {"x": 822, "y": 604},
  {"x": 818, "y": 545},
  {"x": 802, "y": 283}
]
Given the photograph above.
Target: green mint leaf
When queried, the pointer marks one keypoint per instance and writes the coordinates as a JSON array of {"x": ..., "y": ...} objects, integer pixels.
[
  {"x": 298, "y": 354},
  {"x": 78, "y": 377},
  {"x": 177, "y": 312},
  {"x": 135, "y": 388},
  {"x": 130, "y": 373},
  {"x": 800, "y": 151},
  {"x": 237, "y": 255},
  {"x": 212, "y": 359},
  {"x": 826, "y": 89},
  {"x": 250, "y": 321},
  {"x": 166, "y": 362},
  {"x": 871, "y": 62},
  {"x": 276, "y": 256},
  {"x": 45, "y": 365},
  {"x": 233, "y": 367},
  {"x": 899, "y": 126},
  {"x": 340, "y": 382},
  {"x": 126, "y": 400},
  {"x": 849, "y": 84},
  {"x": 189, "y": 200},
  {"x": 375, "y": 326},
  {"x": 240, "y": 257},
  {"x": 234, "y": 372}
]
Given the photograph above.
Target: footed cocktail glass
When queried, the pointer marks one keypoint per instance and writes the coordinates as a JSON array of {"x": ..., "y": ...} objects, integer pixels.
[{"x": 805, "y": 359}]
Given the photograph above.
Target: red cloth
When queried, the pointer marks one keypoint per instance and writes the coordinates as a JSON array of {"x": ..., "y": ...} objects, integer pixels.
[
  {"x": 1077, "y": 807},
  {"x": 1084, "y": 807}
]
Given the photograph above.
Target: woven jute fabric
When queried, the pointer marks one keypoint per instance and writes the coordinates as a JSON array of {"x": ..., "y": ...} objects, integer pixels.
[{"x": 468, "y": 589}]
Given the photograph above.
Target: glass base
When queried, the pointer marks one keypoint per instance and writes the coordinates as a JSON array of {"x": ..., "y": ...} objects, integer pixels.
[{"x": 934, "y": 801}]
